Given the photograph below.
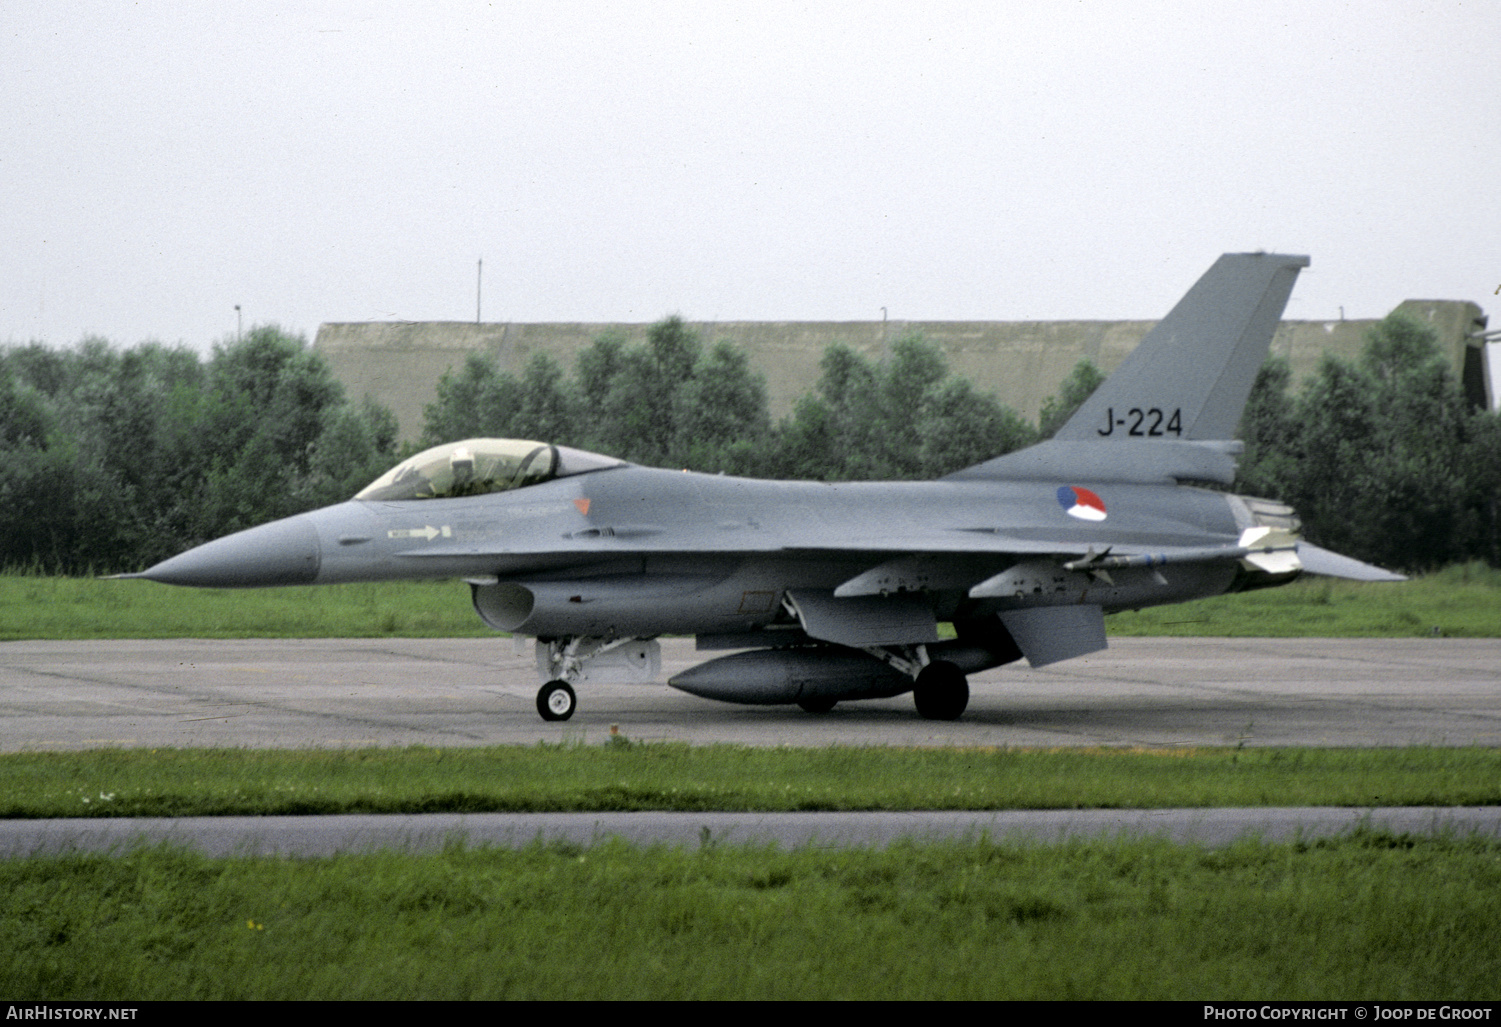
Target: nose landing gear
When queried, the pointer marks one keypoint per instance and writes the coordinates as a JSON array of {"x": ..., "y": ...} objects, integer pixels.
[{"x": 556, "y": 701}]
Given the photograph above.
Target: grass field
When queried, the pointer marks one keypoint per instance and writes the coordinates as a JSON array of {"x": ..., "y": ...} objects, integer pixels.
[
  {"x": 671, "y": 776},
  {"x": 1367, "y": 917},
  {"x": 1459, "y": 602},
  {"x": 37, "y": 606}
]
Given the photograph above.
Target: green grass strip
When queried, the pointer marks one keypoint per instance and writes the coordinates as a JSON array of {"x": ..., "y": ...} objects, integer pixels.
[
  {"x": 1463, "y": 601},
  {"x": 621, "y": 775},
  {"x": 40, "y": 607},
  {"x": 1460, "y": 602},
  {"x": 1368, "y": 917}
]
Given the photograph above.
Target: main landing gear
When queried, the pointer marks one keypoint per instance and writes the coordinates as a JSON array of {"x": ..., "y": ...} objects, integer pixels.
[
  {"x": 939, "y": 688},
  {"x": 941, "y": 691}
]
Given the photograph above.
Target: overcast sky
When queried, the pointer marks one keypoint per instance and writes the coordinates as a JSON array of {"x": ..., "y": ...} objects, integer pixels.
[{"x": 328, "y": 161}]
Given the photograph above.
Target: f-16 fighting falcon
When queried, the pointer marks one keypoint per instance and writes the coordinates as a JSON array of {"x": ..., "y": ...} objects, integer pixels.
[{"x": 830, "y": 592}]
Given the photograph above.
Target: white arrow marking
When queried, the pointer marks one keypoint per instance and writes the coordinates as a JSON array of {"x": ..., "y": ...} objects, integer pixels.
[{"x": 428, "y": 532}]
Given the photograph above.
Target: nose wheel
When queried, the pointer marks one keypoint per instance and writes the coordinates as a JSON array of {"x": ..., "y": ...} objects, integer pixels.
[{"x": 556, "y": 701}]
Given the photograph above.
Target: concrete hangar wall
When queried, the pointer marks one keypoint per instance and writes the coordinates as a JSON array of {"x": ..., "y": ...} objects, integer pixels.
[{"x": 399, "y": 363}]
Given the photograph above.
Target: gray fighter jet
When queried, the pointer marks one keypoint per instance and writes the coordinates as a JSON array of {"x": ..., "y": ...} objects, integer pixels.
[{"x": 830, "y": 592}]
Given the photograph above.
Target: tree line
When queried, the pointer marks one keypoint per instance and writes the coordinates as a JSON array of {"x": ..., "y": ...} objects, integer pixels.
[
  {"x": 1382, "y": 456},
  {"x": 672, "y": 402},
  {"x": 111, "y": 460}
]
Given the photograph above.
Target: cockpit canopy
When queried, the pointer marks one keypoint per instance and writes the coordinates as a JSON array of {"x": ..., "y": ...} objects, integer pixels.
[{"x": 474, "y": 467}]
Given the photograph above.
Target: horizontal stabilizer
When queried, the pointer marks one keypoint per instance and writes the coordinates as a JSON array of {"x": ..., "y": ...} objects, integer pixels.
[
  {"x": 1048, "y": 634},
  {"x": 1330, "y": 564}
]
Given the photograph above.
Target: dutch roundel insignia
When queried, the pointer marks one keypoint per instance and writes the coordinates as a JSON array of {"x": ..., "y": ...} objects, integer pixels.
[{"x": 1081, "y": 503}]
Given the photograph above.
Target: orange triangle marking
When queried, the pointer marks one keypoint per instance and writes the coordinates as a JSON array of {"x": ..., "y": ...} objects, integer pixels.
[{"x": 583, "y": 505}]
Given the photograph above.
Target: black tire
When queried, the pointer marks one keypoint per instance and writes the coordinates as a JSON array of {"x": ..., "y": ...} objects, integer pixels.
[
  {"x": 941, "y": 691},
  {"x": 556, "y": 701},
  {"x": 817, "y": 704}
]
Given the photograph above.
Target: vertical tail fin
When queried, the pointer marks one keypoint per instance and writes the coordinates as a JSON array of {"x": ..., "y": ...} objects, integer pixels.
[{"x": 1189, "y": 378}]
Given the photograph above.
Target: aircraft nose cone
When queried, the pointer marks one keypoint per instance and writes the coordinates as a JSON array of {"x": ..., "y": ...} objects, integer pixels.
[{"x": 283, "y": 552}]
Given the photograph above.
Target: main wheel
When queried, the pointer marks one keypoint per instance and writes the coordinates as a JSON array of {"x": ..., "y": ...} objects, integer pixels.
[
  {"x": 817, "y": 704},
  {"x": 941, "y": 691},
  {"x": 556, "y": 701}
]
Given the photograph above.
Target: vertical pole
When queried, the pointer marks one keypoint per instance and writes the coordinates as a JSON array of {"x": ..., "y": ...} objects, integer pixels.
[{"x": 478, "y": 281}]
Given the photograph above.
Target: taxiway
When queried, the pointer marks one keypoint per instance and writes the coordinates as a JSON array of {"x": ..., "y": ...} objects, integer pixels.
[{"x": 323, "y": 693}]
